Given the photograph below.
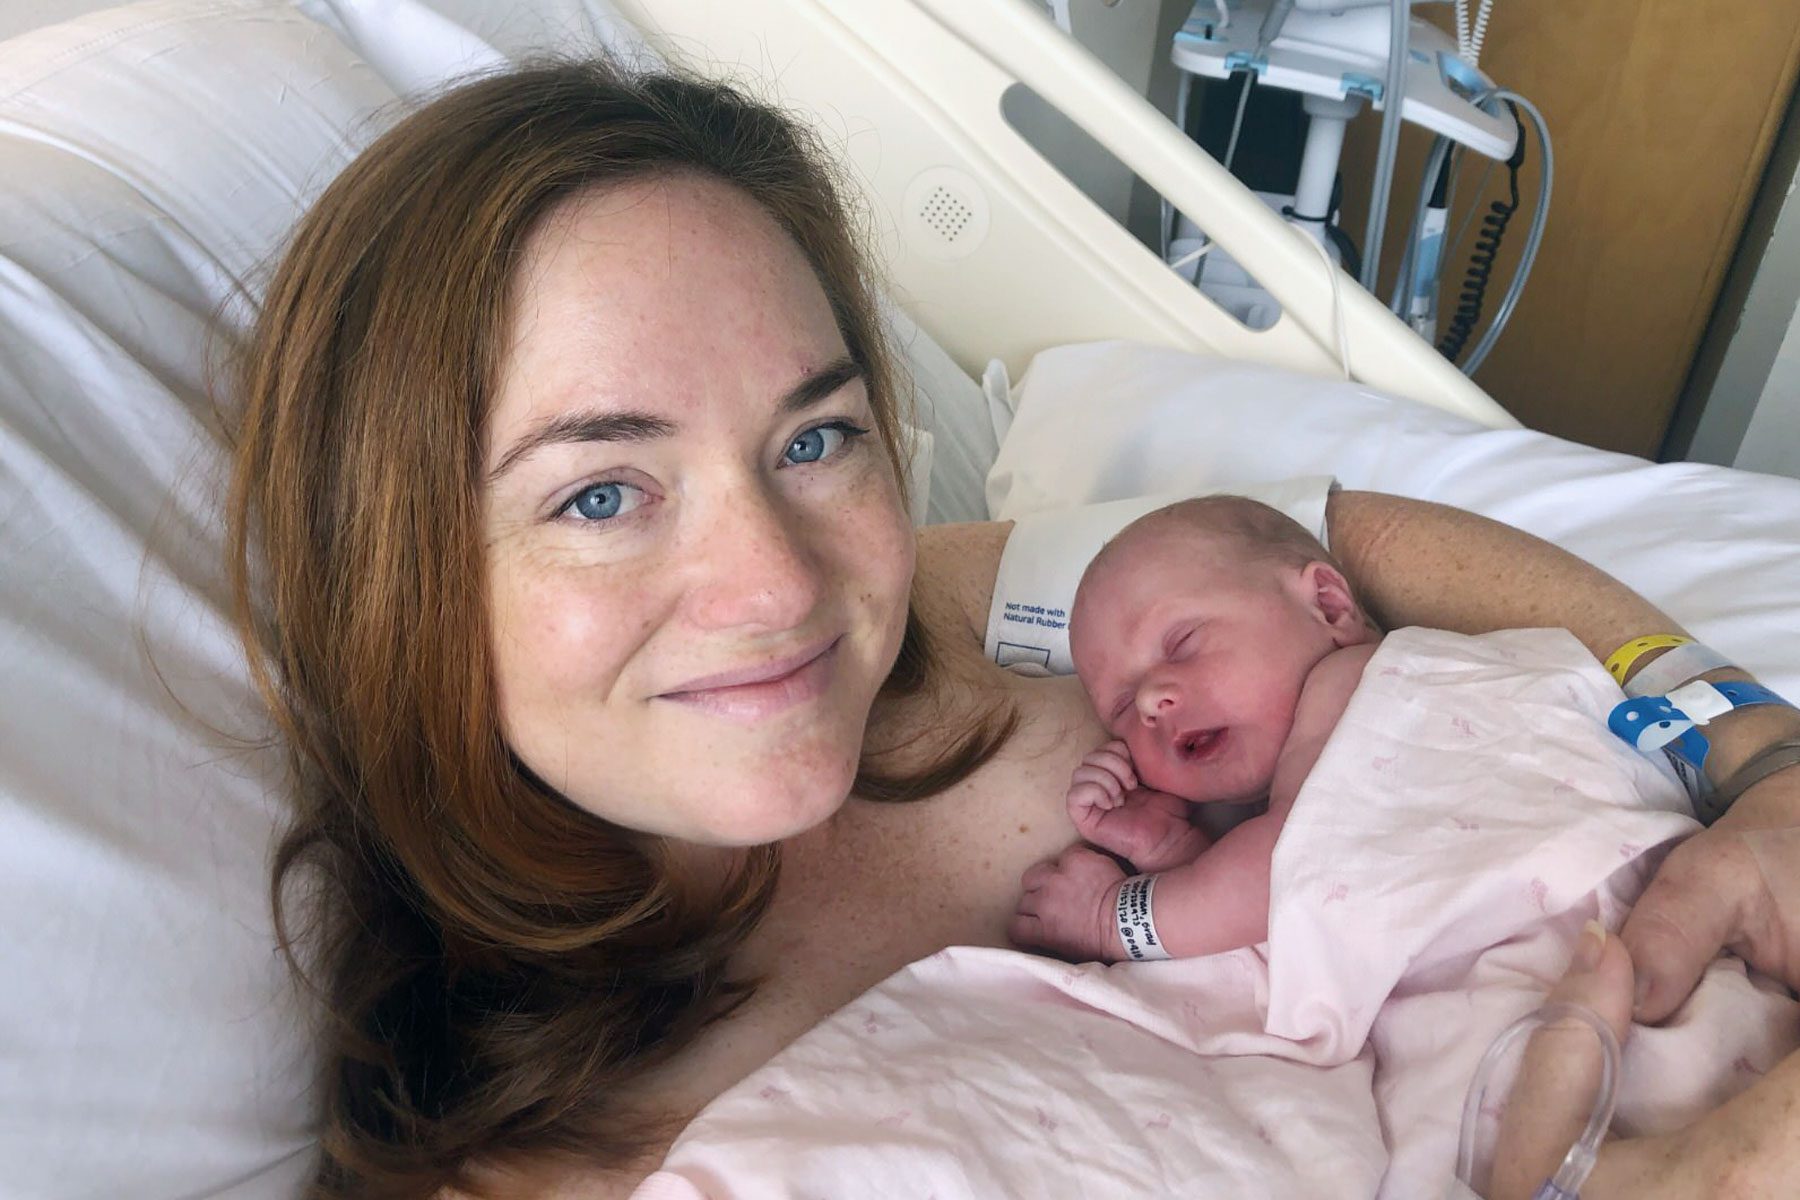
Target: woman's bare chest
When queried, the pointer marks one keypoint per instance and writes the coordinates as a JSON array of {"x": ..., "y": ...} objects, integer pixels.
[{"x": 889, "y": 884}]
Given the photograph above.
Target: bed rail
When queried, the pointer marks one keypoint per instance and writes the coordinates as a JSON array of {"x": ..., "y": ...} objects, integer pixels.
[{"x": 986, "y": 243}]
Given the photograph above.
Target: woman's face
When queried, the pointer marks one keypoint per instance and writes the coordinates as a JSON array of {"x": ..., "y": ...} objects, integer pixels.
[{"x": 698, "y": 559}]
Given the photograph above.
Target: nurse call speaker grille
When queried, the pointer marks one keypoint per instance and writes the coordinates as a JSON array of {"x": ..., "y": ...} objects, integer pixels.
[{"x": 946, "y": 213}]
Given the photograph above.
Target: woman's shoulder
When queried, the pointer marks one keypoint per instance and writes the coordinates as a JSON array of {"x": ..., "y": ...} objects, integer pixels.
[{"x": 954, "y": 581}]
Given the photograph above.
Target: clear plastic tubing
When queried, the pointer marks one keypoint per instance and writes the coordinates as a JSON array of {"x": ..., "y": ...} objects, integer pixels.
[{"x": 1566, "y": 1183}]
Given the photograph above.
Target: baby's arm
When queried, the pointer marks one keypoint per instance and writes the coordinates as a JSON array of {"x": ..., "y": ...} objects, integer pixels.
[
  {"x": 1220, "y": 901},
  {"x": 1217, "y": 902}
]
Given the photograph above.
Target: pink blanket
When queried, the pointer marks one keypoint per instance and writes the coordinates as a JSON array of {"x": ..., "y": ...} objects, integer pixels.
[{"x": 1468, "y": 815}]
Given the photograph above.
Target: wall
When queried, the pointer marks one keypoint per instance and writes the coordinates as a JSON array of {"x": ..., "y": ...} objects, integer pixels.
[
  {"x": 17, "y": 16},
  {"x": 1742, "y": 404},
  {"x": 1772, "y": 443}
]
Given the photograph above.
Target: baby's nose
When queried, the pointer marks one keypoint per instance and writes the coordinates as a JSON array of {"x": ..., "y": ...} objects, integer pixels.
[{"x": 1155, "y": 700}]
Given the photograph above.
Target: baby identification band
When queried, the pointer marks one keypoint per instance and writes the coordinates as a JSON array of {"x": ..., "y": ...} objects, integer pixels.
[{"x": 1137, "y": 924}]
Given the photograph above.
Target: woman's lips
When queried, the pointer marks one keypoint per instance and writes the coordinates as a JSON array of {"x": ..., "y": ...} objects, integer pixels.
[
  {"x": 1200, "y": 745},
  {"x": 756, "y": 693}
]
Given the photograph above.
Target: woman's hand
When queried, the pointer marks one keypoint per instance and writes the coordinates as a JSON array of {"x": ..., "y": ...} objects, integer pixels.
[
  {"x": 1747, "y": 1149},
  {"x": 1735, "y": 886}
]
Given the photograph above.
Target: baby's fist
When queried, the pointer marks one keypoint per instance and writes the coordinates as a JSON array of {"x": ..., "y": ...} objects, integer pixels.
[
  {"x": 1100, "y": 784},
  {"x": 1067, "y": 906}
]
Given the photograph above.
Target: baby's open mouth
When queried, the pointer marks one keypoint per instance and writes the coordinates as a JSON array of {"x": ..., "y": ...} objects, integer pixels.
[{"x": 1198, "y": 744}]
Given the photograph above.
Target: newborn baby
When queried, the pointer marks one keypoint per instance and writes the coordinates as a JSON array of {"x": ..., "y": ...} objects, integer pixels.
[
  {"x": 1219, "y": 644},
  {"x": 1454, "y": 816}
]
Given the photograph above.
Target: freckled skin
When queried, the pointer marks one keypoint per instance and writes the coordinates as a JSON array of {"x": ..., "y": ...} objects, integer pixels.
[{"x": 726, "y": 555}]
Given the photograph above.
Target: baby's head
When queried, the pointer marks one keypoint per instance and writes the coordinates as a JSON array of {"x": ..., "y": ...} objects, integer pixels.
[{"x": 1194, "y": 630}]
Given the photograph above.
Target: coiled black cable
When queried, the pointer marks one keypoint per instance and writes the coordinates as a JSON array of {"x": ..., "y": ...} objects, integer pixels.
[{"x": 1487, "y": 250}]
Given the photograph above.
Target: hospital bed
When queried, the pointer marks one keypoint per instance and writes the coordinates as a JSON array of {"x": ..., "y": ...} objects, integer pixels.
[{"x": 151, "y": 159}]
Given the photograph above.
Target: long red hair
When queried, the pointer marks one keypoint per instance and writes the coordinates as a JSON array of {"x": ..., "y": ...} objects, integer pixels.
[{"x": 495, "y": 962}]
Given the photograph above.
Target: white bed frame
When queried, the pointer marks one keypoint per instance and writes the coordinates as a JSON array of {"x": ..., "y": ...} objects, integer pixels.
[{"x": 909, "y": 93}]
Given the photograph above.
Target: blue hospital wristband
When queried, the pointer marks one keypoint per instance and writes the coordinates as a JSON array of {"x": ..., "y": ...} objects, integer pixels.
[{"x": 1672, "y": 724}]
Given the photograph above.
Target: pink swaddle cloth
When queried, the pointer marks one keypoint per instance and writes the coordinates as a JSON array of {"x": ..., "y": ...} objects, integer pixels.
[
  {"x": 991, "y": 1073},
  {"x": 1469, "y": 814}
]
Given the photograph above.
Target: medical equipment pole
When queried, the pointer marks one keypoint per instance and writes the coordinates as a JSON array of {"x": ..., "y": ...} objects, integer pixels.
[
  {"x": 1393, "y": 98},
  {"x": 1326, "y": 121}
]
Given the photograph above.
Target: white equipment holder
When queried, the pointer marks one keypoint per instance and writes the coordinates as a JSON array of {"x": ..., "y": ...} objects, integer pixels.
[{"x": 1343, "y": 56}]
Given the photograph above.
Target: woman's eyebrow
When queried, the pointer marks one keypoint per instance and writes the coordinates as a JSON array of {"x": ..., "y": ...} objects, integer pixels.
[
  {"x": 820, "y": 383},
  {"x": 641, "y": 427},
  {"x": 584, "y": 427}
]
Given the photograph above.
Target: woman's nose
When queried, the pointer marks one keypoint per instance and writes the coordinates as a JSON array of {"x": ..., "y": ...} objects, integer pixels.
[{"x": 753, "y": 569}]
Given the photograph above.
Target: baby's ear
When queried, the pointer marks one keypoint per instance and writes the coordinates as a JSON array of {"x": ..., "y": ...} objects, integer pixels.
[{"x": 1329, "y": 593}]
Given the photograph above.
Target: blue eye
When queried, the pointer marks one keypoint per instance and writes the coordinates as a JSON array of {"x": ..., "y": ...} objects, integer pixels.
[
  {"x": 820, "y": 442},
  {"x": 603, "y": 501}
]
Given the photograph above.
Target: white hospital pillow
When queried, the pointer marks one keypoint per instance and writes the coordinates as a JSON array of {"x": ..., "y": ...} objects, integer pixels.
[
  {"x": 152, "y": 161},
  {"x": 151, "y": 1043},
  {"x": 961, "y": 444},
  {"x": 1717, "y": 549}
]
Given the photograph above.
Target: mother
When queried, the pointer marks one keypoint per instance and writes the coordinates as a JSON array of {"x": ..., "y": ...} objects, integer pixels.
[{"x": 569, "y": 537}]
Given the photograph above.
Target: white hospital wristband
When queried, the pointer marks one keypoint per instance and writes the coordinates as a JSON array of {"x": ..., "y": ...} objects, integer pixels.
[
  {"x": 1137, "y": 925},
  {"x": 1672, "y": 668}
]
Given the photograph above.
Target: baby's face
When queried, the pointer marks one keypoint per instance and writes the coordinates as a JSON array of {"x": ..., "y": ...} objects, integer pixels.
[{"x": 1195, "y": 657}]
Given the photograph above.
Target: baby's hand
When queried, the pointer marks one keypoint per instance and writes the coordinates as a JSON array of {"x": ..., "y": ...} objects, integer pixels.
[
  {"x": 1150, "y": 830},
  {"x": 1068, "y": 907},
  {"x": 1099, "y": 784}
]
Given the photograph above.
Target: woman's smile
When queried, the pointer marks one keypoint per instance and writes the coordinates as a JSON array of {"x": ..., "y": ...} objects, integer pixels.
[{"x": 755, "y": 693}]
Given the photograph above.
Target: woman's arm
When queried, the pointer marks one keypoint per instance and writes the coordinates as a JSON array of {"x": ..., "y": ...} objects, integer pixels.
[
  {"x": 1424, "y": 564},
  {"x": 1417, "y": 563}
]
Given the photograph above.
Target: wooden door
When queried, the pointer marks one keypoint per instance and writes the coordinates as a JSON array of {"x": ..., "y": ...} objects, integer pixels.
[{"x": 1662, "y": 114}]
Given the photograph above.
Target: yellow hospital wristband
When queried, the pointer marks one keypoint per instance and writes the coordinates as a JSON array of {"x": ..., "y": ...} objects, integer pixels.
[{"x": 1620, "y": 662}]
